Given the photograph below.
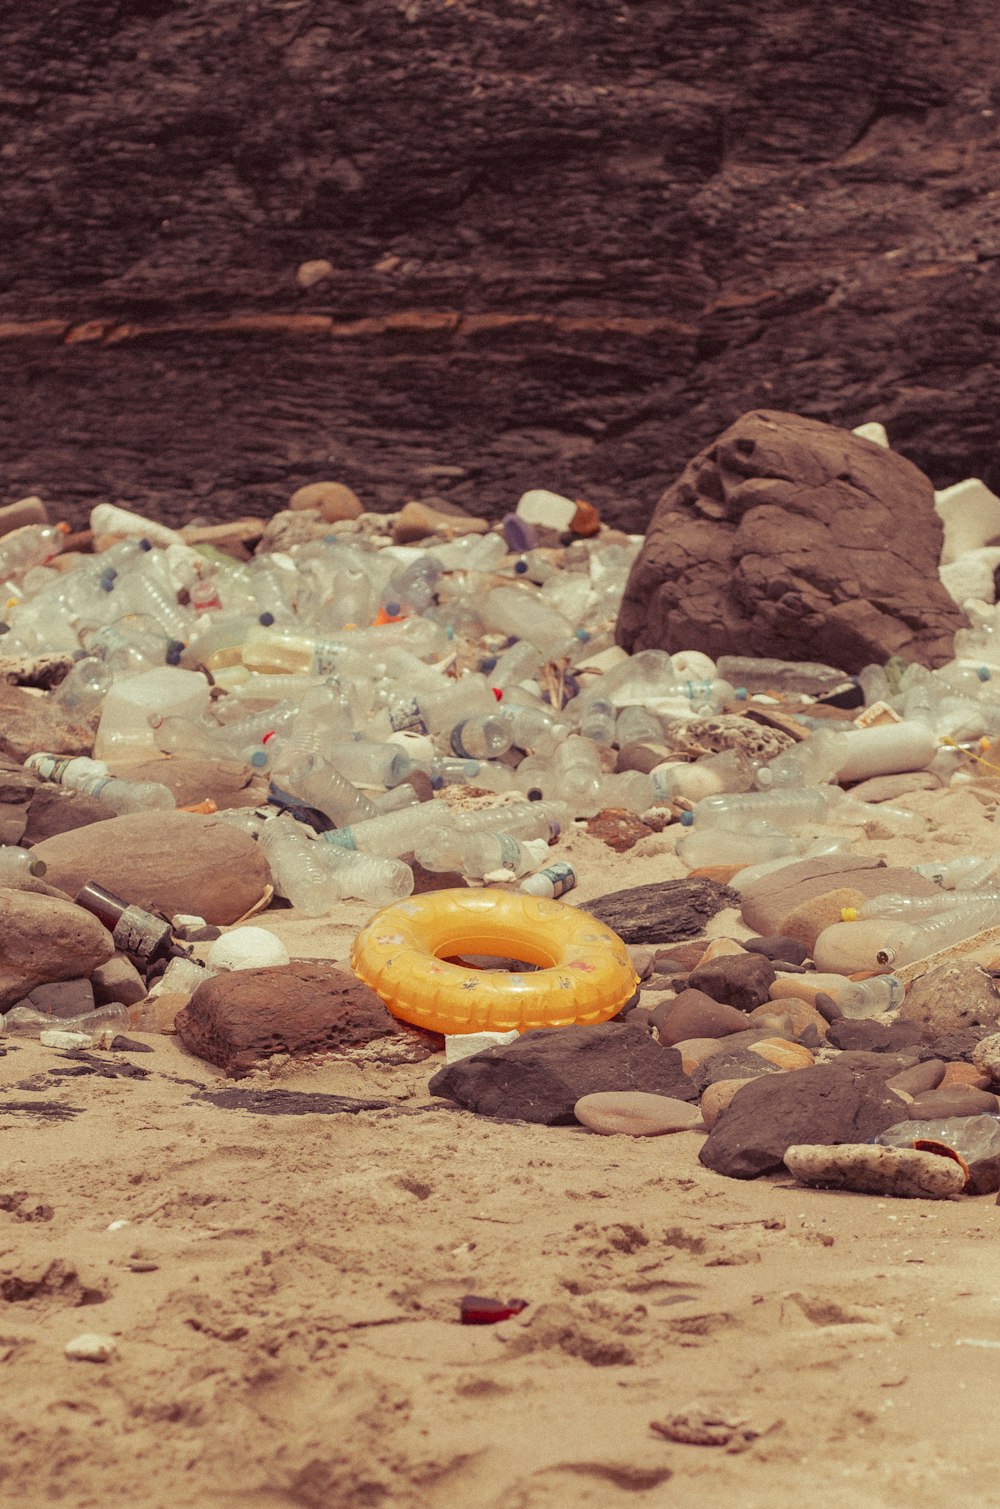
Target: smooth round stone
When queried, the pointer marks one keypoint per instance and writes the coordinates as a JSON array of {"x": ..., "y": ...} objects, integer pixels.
[
  {"x": 721, "y": 948},
  {"x": 920, "y": 1078},
  {"x": 792, "y": 1015},
  {"x": 693, "y": 1014},
  {"x": 716, "y": 1098},
  {"x": 91, "y": 1347},
  {"x": 953, "y": 1100},
  {"x": 960, "y": 1073},
  {"x": 779, "y": 948},
  {"x": 695, "y": 1050},
  {"x": 783, "y": 1054},
  {"x": 247, "y": 948},
  {"x": 872, "y": 1170},
  {"x": 986, "y": 1056},
  {"x": 334, "y": 500},
  {"x": 806, "y": 921},
  {"x": 636, "y": 1113}
]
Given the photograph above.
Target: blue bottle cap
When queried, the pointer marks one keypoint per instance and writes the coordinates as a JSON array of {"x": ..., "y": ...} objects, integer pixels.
[
  {"x": 687, "y": 818},
  {"x": 267, "y": 619},
  {"x": 518, "y": 534}
]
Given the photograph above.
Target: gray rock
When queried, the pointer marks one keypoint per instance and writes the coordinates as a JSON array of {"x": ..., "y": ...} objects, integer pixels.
[
  {"x": 955, "y": 997},
  {"x": 541, "y": 1077},
  {"x": 118, "y": 980},
  {"x": 665, "y": 912},
  {"x": 770, "y": 899},
  {"x": 872, "y": 1170},
  {"x": 44, "y": 939},
  {"x": 735, "y": 1062},
  {"x": 778, "y": 948},
  {"x": 61, "y": 998},
  {"x": 827, "y": 1104}
]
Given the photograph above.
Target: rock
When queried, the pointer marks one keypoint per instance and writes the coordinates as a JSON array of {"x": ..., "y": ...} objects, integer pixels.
[
  {"x": 635, "y": 1113},
  {"x": 807, "y": 920},
  {"x": 743, "y": 981},
  {"x": 165, "y": 861},
  {"x": 872, "y": 1036},
  {"x": 790, "y": 1018},
  {"x": 91, "y": 1347},
  {"x": 61, "y": 998},
  {"x": 695, "y": 1014},
  {"x": 784, "y": 1054},
  {"x": 619, "y": 829},
  {"x": 773, "y": 896},
  {"x": 54, "y": 810},
  {"x": 420, "y": 519},
  {"x": 953, "y": 1100},
  {"x": 826, "y": 1104},
  {"x": 541, "y": 1077},
  {"x": 308, "y": 275},
  {"x": 731, "y": 1063},
  {"x": 736, "y": 556},
  {"x": 721, "y": 948},
  {"x": 117, "y": 980},
  {"x": 640, "y": 757},
  {"x": 29, "y": 722},
  {"x": 331, "y": 500},
  {"x": 43, "y": 939},
  {"x": 919, "y": 1078},
  {"x": 228, "y": 783},
  {"x": 665, "y": 912},
  {"x": 951, "y": 998},
  {"x": 240, "y": 1017},
  {"x": 19, "y": 514},
  {"x": 289, "y": 527},
  {"x": 965, "y": 1074},
  {"x": 873, "y": 1170},
  {"x": 778, "y": 948},
  {"x": 717, "y": 1096},
  {"x": 886, "y": 788},
  {"x": 247, "y": 948},
  {"x": 683, "y": 956}
]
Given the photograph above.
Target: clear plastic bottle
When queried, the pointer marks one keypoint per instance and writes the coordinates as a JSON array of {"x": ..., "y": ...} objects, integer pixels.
[
  {"x": 521, "y": 612},
  {"x": 367, "y": 877},
  {"x": 783, "y": 809},
  {"x": 31, "y": 545},
  {"x": 391, "y": 835},
  {"x": 288, "y": 649},
  {"x": 636, "y": 725},
  {"x": 712, "y": 775},
  {"x": 101, "y": 1025},
  {"x": 483, "y": 737},
  {"x": 751, "y": 844},
  {"x": 320, "y": 784},
  {"x": 296, "y": 867},
  {"x": 597, "y": 721},
  {"x": 480, "y": 854},
  {"x": 15, "y": 861},
  {"x": 875, "y": 943},
  {"x": 93, "y": 779},
  {"x": 553, "y": 881}
]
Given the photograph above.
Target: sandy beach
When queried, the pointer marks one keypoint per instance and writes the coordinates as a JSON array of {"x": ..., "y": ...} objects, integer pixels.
[{"x": 284, "y": 1292}]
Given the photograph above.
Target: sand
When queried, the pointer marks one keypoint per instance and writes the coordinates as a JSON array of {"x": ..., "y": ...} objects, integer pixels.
[{"x": 284, "y": 1294}]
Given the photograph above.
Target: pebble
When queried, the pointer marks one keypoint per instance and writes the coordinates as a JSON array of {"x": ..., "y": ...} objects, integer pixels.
[
  {"x": 872, "y": 1170},
  {"x": 692, "y": 1014},
  {"x": 783, "y": 1054},
  {"x": 918, "y": 1079},
  {"x": 56, "y": 1037},
  {"x": 810, "y": 918},
  {"x": 458, "y": 1045},
  {"x": 716, "y": 1098},
  {"x": 986, "y": 1056},
  {"x": 332, "y": 500},
  {"x": 635, "y": 1113},
  {"x": 779, "y": 948},
  {"x": 953, "y": 1100},
  {"x": 91, "y": 1346},
  {"x": 792, "y": 1016}
]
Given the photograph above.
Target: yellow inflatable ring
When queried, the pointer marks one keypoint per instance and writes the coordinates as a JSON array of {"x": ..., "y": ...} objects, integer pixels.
[{"x": 585, "y": 972}]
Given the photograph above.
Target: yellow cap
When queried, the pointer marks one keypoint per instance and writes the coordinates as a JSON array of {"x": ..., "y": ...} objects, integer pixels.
[{"x": 849, "y": 914}]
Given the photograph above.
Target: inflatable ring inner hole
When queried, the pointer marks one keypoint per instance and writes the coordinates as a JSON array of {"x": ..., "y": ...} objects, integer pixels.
[{"x": 494, "y": 942}]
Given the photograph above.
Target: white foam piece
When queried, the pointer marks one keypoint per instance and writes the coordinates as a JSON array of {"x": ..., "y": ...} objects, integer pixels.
[
  {"x": 552, "y": 510},
  {"x": 872, "y": 431},
  {"x": 464, "y": 1044},
  {"x": 970, "y": 514},
  {"x": 247, "y": 948},
  {"x": 970, "y": 577}
]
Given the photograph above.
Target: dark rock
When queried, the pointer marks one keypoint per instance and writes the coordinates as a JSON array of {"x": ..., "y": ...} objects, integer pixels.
[
  {"x": 958, "y": 1046},
  {"x": 920, "y": 1078},
  {"x": 61, "y": 998},
  {"x": 741, "y": 980},
  {"x": 736, "y": 557},
  {"x": 54, "y": 810},
  {"x": 665, "y": 912},
  {"x": 542, "y": 1076},
  {"x": 734, "y": 1063},
  {"x": 827, "y": 1007},
  {"x": 693, "y": 1013},
  {"x": 641, "y": 757},
  {"x": 639, "y": 1017},
  {"x": 954, "y": 997},
  {"x": 238, "y": 1018},
  {"x": 827, "y": 1104},
  {"x": 872, "y": 1037},
  {"x": 122, "y": 1044},
  {"x": 118, "y": 980},
  {"x": 778, "y": 948}
]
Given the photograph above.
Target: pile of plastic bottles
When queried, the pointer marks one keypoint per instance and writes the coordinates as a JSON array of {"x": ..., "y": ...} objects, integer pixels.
[{"x": 350, "y": 669}]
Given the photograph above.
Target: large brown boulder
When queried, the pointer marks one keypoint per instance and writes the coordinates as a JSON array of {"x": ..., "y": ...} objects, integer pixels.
[{"x": 796, "y": 539}]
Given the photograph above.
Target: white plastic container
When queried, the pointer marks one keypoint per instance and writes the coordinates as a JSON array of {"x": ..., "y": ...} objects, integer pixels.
[
  {"x": 124, "y": 727},
  {"x": 885, "y": 749}
]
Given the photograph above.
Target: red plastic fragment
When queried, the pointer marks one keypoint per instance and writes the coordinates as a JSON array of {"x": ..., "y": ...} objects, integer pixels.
[{"x": 477, "y": 1311}]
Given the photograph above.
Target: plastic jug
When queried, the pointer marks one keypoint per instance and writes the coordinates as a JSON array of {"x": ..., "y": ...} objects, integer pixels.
[{"x": 124, "y": 727}]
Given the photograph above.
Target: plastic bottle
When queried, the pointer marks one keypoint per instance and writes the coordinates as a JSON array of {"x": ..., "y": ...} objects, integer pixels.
[
  {"x": 15, "y": 861},
  {"x": 517, "y": 611},
  {"x": 369, "y": 763},
  {"x": 102, "y": 1024},
  {"x": 368, "y": 877},
  {"x": 134, "y": 931},
  {"x": 389, "y": 836},
  {"x": 296, "y": 867},
  {"x": 321, "y": 784},
  {"x": 885, "y": 749},
  {"x": 636, "y": 725},
  {"x": 749, "y": 845},
  {"x": 481, "y": 737},
  {"x": 847, "y": 947},
  {"x": 284, "y": 648},
  {"x": 93, "y": 779},
  {"x": 480, "y": 854},
  {"x": 31, "y": 545},
  {"x": 783, "y": 809},
  {"x": 597, "y": 721},
  {"x": 731, "y": 770},
  {"x": 124, "y": 727},
  {"x": 554, "y": 881}
]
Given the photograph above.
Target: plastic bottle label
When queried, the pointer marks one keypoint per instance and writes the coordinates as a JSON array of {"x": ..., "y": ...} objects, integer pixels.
[
  {"x": 93, "y": 785},
  {"x": 405, "y": 716},
  {"x": 341, "y": 836},
  {"x": 138, "y": 933},
  {"x": 555, "y": 880},
  {"x": 510, "y": 849},
  {"x": 325, "y": 658}
]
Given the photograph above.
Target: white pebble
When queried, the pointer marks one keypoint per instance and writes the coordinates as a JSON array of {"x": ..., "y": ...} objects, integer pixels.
[
  {"x": 90, "y": 1347},
  {"x": 247, "y": 948},
  {"x": 54, "y": 1037},
  {"x": 463, "y": 1044}
]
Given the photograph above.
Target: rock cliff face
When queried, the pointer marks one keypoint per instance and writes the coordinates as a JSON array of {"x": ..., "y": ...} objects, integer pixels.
[{"x": 569, "y": 241}]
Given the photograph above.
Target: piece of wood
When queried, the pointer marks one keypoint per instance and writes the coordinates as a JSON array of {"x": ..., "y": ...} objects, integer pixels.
[{"x": 667, "y": 912}]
